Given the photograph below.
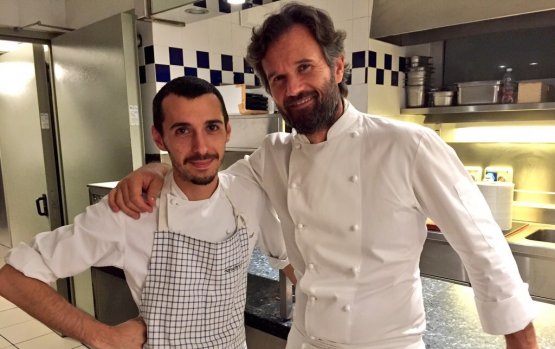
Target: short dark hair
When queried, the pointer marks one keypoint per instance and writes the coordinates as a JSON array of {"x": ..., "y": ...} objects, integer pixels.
[
  {"x": 318, "y": 22},
  {"x": 186, "y": 86}
]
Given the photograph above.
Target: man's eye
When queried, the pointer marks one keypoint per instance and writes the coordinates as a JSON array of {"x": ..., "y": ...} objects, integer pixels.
[
  {"x": 181, "y": 131},
  {"x": 303, "y": 67},
  {"x": 213, "y": 127}
]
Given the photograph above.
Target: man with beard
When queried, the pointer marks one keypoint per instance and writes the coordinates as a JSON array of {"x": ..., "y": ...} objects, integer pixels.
[
  {"x": 185, "y": 263},
  {"x": 353, "y": 192}
]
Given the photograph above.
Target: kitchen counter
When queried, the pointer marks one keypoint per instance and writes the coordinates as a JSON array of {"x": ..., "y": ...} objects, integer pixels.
[{"x": 452, "y": 319}]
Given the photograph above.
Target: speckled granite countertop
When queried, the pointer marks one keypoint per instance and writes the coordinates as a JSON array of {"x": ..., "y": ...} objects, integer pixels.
[{"x": 452, "y": 320}]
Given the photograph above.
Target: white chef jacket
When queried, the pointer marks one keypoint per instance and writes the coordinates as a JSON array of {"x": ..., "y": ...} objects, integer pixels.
[
  {"x": 100, "y": 237},
  {"x": 353, "y": 212}
]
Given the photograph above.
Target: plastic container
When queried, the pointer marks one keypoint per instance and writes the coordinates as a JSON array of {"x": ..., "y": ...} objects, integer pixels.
[{"x": 508, "y": 87}]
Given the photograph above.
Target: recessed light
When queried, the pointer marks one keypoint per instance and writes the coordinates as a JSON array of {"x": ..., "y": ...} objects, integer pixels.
[
  {"x": 235, "y": 2},
  {"x": 196, "y": 10},
  {"x": 534, "y": 63}
]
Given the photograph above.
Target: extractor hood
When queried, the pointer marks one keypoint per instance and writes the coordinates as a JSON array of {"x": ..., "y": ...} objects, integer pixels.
[{"x": 411, "y": 22}]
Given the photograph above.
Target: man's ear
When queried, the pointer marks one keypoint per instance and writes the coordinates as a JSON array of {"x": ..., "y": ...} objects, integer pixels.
[
  {"x": 157, "y": 138},
  {"x": 339, "y": 68},
  {"x": 228, "y": 132}
]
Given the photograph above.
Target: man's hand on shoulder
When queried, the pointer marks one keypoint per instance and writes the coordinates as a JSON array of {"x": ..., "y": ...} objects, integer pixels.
[{"x": 128, "y": 197}]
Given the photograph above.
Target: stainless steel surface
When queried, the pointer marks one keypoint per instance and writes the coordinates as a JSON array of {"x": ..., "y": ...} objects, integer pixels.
[
  {"x": 285, "y": 297},
  {"x": 486, "y": 112},
  {"x": 434, "y": 20},
  {"x": 248, "y": 132},
  {"x": 415, "y": 95},
  {"x": 545, "y": 235},
  {"x": 478, "y": 92},
  {"x": 441, "y": 98},
  {"x": 438, "y": 259}
]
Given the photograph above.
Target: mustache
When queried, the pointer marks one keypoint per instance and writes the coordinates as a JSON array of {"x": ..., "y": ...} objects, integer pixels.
[
  {"x": 294, "y": 99},
  {"x": 197, "y": 157}
]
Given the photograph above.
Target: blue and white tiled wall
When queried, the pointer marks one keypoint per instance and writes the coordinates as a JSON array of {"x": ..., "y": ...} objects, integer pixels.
[
  {"x": 367, "y": 68},
  {"x": 163, "y": 63}
]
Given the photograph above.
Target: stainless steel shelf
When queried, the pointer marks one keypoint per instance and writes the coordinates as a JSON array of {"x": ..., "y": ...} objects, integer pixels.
[{"x": 486, "y": 112}]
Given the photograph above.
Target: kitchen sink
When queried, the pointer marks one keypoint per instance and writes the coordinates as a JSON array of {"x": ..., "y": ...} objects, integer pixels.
[{"x": 545, "y": 235}]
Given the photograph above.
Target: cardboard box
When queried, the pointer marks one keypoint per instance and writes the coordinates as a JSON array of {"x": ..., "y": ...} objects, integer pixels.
[{"x": 535, "y": 91}]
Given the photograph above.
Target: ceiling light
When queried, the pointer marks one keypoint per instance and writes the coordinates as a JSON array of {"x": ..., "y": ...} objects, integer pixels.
[
  {"x": 534, "y": 63},
  {"x": 235, "y": 2},
  {"x": 196, "y": 10}
]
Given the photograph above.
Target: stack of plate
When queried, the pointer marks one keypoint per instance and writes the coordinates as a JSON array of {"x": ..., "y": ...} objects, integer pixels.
[{"x": 418, "y": 80}]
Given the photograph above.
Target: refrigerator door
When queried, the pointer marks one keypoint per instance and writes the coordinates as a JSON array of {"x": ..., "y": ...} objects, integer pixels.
[
  {"x": 21, "y": 148},
  {"x": 96, "y": 89}
]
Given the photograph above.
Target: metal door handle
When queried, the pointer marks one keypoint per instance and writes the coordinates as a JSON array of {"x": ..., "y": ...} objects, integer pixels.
[{"x": 42, "y": 210}]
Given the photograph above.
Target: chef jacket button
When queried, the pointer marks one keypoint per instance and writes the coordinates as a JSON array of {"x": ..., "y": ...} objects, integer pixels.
[
  {"x": 355, "y": 270},
  {"x": 347, "y": 308},
  {"x": 354, "y": 134},
  {"x": 311, "y": 266},
  {"x": 300, "y": 226},
  {"x": 312, "y": 338},
  {"x": 312, "y": 299},
  {"x": 355, "y": 227},
  {"x": 354, "y": 178},
  {"x": 294, "y": 185},
  {"x": 172, "y": 201}
]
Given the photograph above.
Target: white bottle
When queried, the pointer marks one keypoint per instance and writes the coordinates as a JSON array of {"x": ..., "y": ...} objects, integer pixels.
[{"x": 508, "y": 87}]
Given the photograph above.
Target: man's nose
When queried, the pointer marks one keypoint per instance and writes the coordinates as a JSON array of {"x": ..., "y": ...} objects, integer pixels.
[
  {"x": 294, "y": 85},
  {"x": 200, "y": 143}
]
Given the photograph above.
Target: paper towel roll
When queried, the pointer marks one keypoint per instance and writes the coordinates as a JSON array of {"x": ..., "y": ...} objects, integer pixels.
[{"x": 499, "y": 196}]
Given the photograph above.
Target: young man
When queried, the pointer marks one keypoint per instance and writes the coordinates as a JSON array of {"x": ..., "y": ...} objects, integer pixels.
[
  {"x": 185, "y": 263},
  {"x": 353, "y": 192}
]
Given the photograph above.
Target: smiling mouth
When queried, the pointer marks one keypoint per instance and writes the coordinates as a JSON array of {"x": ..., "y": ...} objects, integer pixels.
[
  {"x": 300, "y": 101},
  {"x": 201, "y": 164}
]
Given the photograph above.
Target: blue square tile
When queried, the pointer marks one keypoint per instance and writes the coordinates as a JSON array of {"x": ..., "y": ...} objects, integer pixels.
[
  {"x": 366, "y": 75},
  {"x": 142, "y": 74},
  {"x": 216, "y": 77},
  {"x": 248, "y": 68},
  {"x": 201, "y": 3},
  {"x": 372, "y": 59},
  {"x": 176, "y": 56},
  {"x": 238, "y": 78},
  {"x": 224, "y": 7},
  {"x": 402, "y": 64},
  {"x": 387, "y": 61},
  {"x": 379, "y": 76},
  {"x": 349, "y": 79},
  {"x": 202, "y": 59},
  {"x": 162, "y": 73},
  {"x": 394, "y": 78},
  {"x": 190, "y": 71},
  {"x": 227, "y": 62},
  {"x": 359, "y": 59},
  {"x": 257, "y": 81},
  {"x": 149, "y": 54}
]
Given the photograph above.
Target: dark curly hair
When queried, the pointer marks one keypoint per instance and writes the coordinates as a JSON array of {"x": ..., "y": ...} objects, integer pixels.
[{"x": 315, "y": 20}]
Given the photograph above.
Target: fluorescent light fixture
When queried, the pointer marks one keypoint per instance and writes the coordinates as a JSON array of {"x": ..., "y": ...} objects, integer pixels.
[
  {"x": 7, "y": 46},
  {"x": 235, "y": 2}
]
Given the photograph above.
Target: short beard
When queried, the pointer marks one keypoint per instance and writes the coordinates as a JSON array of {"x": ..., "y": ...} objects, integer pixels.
[
  {"x": 202, "y": 180},
  {"x": 321, "y": 116}
]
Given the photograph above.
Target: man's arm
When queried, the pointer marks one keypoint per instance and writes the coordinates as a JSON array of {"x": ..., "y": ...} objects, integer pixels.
[
  {"x": 523, "y": 339},
  {"x": 43, "y": 303},
  {"x": 128, "y": 195}
]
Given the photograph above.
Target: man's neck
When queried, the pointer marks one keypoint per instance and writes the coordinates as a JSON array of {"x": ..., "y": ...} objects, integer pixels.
[{"x": 196, "y": 192}]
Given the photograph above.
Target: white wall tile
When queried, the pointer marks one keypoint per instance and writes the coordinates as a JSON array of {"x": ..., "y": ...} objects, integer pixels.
[
  {"x": 161, "y": 54},
  {"x": 358, "y": 96},
  {"x": 194, "y": 36},
  {"x": 220, "y": 36},
  {"x": 347, "y": 26},
  {"x": 227, "y": 77},
  {"x": 358, "y": 76},
  {"x": 361, "y": 32},
  {"x": 150, "y": 73},
  {"x": 238, "y": 65},
  {"x": 249, "y": 79},
  {"x": 340, "y": 10},
  {"x": 190, "y": 57},
  {"x": 24, "y": 331},
  {"x": 384, "y": 100},
  {"x": 361, "y": 8},
  {"x": 215, "y": 59},
  {"x": 148, "y": 91},
  {"x": 167, "y": 35},
  {"x": 240, "y": 37},
  {"x": 203, "y": 73},
  {"x": 176, "y": 71},
  {"x": 145, "y": 30}
]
